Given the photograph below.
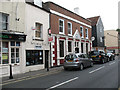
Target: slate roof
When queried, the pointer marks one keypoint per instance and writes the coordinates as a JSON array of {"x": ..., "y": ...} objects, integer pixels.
[{"x": 94, "y": 20}]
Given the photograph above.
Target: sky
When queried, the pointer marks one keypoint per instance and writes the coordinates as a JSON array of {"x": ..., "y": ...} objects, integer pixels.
[{"x": 106, "y": 9}]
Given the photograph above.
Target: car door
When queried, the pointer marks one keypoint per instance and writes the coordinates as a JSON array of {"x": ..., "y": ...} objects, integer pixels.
[{"x": 86, "y": 59}]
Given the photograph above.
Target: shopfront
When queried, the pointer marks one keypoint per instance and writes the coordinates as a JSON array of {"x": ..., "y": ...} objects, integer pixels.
[{"x": 10, "y": 47}]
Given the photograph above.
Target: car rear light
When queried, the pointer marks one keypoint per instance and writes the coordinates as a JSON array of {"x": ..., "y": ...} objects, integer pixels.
[
  {"x": 76, "y": 60},
  {"x": 99, "y": 56}
]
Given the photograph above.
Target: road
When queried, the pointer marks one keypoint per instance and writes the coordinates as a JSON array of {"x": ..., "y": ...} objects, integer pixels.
[{"x": 98, "y": 76}]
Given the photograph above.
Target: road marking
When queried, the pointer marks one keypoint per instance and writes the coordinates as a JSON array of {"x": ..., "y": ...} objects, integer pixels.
[
  {"x": 111, "y": 63},
  {"x": 97, "y": 69},
  {"x": 62, "y": 83},
  {"x": 28, "y": 78}
]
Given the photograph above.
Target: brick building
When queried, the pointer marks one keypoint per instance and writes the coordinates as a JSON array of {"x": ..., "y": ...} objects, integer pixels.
[{"x": 71, "y": 33}]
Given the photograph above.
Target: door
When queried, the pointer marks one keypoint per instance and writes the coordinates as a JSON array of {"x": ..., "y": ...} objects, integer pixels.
[{"x": 46, "y": 58}]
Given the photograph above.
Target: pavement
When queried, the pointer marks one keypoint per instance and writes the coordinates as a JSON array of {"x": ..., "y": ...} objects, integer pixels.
[{"x": 30, "y": 74}]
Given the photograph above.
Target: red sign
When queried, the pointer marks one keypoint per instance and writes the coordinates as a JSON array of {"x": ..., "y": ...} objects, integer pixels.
[
  {"x": 50, "y": 39},
  {"x": 49, "y": 31}
]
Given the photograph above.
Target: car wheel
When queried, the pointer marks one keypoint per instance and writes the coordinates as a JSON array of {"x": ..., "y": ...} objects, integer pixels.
[
  {"x": 81, "y": 67},
  {"x": 91, "y": 64}
]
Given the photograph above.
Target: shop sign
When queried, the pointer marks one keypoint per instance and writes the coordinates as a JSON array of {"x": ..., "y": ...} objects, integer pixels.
[
  {"x": 15, "y": 37},
  {"x": 38, "y": 47}
]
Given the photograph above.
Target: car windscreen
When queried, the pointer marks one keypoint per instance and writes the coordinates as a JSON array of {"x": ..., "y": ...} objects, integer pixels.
[
  {"x": 93, "y": 53},
  {"x": 68, "y": 57}
]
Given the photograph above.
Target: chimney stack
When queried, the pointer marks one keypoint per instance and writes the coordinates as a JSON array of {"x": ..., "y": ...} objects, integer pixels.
[{"x": 76, "y": 10}]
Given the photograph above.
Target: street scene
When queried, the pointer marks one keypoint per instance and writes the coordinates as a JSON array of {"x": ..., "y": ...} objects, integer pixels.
[
  {"x": 46, "y": 45},
  {"x": 99, "y": 76}
]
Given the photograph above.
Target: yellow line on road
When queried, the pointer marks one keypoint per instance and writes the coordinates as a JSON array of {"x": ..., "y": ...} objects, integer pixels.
[{"x": 32, "y": 77}]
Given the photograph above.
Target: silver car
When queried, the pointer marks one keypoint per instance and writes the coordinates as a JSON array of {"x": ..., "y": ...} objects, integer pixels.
[{"x": 77, "y": 61}]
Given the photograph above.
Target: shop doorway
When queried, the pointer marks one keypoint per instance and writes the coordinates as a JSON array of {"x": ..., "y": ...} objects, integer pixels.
[{"x": 46, "y": 58}]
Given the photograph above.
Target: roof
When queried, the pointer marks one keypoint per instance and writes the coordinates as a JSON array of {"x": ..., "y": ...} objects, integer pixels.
[
  {"x": 67, "y": 10},
  {"x": 94, "y": 20}
]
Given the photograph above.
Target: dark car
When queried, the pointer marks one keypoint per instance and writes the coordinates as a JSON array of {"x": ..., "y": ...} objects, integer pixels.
[
  {"x": 98, "y": 56},
  {"x": 111, "y": 56},
  {"x": 77, "y": 61}
]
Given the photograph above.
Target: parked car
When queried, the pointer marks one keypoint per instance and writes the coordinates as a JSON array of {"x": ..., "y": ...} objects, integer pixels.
[
  {"x": 111, "y": 56},
  {"x": 77, "y": 61},
  {"x": 98, "y": 56}
]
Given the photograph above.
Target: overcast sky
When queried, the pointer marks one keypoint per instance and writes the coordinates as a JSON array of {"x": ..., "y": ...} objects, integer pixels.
[{"x": 107, "y": 9}]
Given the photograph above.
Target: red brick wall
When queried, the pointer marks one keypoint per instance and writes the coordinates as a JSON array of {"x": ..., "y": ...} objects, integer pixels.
[
  {"x": 55, "y": 25},
  {"x": 66, "y": 12}
]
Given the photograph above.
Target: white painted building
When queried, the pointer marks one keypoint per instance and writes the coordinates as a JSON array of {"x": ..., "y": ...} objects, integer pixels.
[{"x": 24, "y": 35}]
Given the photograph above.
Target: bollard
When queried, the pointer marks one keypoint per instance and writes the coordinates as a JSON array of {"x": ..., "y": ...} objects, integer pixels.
[
  {"x": 10, "y": 77},
  {"x": 47, "y": 66}
]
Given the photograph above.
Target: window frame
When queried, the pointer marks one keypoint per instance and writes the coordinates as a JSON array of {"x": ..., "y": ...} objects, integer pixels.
[
  {"x": 70, "y": 28},
  {"x": 9, "y": 53},
  {"x": 63, "y": 49},
  {"x": 41, "y": 31},
  {"x": 62, "y": 26},
  {"x": 71, "y": 46},
  {"x": 82, "y": 31},
  {"x": 6, "y": 22},
  {"x": 86, "y": 33}
]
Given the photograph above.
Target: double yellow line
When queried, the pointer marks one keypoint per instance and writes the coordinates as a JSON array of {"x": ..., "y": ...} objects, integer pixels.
[{"x": 28, "y": 77}]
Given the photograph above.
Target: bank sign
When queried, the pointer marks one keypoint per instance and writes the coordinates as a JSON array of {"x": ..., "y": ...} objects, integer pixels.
[{"x": 14, "y": 37}]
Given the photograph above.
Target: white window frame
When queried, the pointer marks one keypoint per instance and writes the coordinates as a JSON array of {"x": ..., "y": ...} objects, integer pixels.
[
  {"x": 86, "y": 33},
  {"x": 64, "y": 49},
  {"x": 9, "y": 53},
  {"x": 41, "y": 31},
  {"x": 63, "y": 26},
  {"x": 71, "y": 46},
  {"x": 82, "y": 31},
  {"x": 70, "y": 29},
  {"x": 1, "y": 21}
]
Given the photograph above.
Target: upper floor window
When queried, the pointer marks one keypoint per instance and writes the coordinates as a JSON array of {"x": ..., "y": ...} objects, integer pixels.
[
  {"x": 4, "y": 21},
  {"x": 38, "y": 31},
  {"x": 81, "y": 32},
  {"x": 61, "y": 26},
  {"x": 69, "y": 28},
  {"x": 86, "y": 33}
]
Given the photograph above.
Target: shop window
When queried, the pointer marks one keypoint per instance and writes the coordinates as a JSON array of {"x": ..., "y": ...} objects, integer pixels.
[
  {"x": 12, "y": 43},
  {"x": 61, "y": 48},
  {"x": 5, "y": 53},
  {"x": 4, "y": 21},
  {"x": 69, "y": 46},
  {"x": 38, "y": 31},
  {"x": 69, "y": 28},
  {"x": 14, "y": 55},
  {"x": 34, "y": 57},
  {"x": 61, "y": 26}
]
